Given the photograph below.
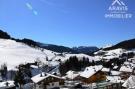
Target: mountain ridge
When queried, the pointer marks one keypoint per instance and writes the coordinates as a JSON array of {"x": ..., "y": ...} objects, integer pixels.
[
  {"x": 126, "y": 44},
  {"x": 52, "y": 47}
]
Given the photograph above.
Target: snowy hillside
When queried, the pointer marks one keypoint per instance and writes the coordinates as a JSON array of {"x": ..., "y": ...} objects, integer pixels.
[
  {"x": 14, "y": 53},
  {"x": 110, "y": 54}
]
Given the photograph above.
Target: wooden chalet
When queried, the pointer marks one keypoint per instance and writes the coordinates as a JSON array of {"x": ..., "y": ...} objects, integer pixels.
[
  {"x": 92, "y": 74},
  {"x": 47, "y": 81}
]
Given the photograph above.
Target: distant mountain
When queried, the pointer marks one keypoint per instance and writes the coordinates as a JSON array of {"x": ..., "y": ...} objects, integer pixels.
[
  {"x": 51, "y": 47},
  {"x": 56, "y": 48},
  {"x": 32, "y": 43},
  {"x": 85, "y": 49},
  {"x": 127, "y": 44}
]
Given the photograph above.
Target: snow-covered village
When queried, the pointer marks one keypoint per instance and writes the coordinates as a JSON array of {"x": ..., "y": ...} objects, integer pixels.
[
  {"x": 26, "y": 64},
  {"x": 67, "y": 44}
]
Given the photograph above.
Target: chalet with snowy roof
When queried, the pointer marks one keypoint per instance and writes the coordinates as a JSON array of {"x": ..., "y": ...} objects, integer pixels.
[
  {"x": 129, "y": 83},
  {"x": 47, "y": 81},
  {"x": 93, "y": 74},
  {"x": 115, "y": 73},
  {"x": 126, "y": 70}
]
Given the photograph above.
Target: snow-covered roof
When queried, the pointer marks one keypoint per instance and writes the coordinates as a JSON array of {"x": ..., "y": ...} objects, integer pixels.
[
  {"x": 71, "y": 74},
  {"x": 114, "y": 79},
  {"x": 115, "y": 67},
  {"x": 38, "y": 78},
  {"x": 34, "y": 67},
  {"x": 89, "y": 71},
  {"x": 130, "y": 82},
  {"x": 105, "y": 69},
  {"x": 114, "y": 73},
  {"x": 126, "y": 69},
  {"x": 3, "y": 85}
]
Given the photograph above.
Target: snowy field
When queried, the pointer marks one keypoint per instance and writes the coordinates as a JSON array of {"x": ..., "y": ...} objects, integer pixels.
[{"x": 14, "y": 53}]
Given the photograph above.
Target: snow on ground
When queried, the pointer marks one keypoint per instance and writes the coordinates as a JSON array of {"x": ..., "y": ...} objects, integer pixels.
[
  {"x": 14, "y": 53},
  {"x": 118, "y": 51},
  {"x": 107, "y": 46},
  {"x": 130, "y": 82},
  {"x": 110, "y": 54},
  {"x": 113, "y": 53}
]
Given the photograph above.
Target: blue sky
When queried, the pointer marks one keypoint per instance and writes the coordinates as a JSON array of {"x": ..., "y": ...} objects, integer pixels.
[{"x": 66, "y": 22}]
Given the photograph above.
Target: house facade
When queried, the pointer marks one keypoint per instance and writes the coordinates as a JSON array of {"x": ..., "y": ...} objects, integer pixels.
[
  {"x": 47, "y": 81},
  {"x": 92, "y": 74},
  {"x": 97, "y": 77}
]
